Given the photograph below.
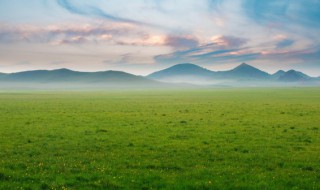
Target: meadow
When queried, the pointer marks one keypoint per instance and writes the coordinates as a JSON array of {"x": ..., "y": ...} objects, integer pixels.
[{"x": 253, "y": 138}]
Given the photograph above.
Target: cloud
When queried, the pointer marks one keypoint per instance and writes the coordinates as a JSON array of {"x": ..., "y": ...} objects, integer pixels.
[
  {"x": 170, "y": 31},
  {"x": 222, "y": 52},
  {"x": 215, "y": 4},
  {"x": 284, "y": 12},
  {"x": 229, "y": 41},
  {"x": 73, "y": 40},
  {"x": 105, "y": 32},
  {"x": 145, "y": 40},
  {"x": 95, "y": 9},
  {"x": 91, "y": 10},
  {"x": 174, "y": 41},
  {"x": 198, "y": 54},
  {"x": 181, "y": 42},
  {"x": 285, "y": 43},
  {"x": 222, "y": 48},
  {"x": 67, "y": 33},
  {"x": 218, "y": 56}
]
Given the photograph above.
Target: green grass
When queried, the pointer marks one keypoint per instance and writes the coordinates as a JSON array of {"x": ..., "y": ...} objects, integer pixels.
[{"x": 182, "y": 139}]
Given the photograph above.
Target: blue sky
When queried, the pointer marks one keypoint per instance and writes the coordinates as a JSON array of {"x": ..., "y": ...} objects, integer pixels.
[{"x": 142, "y": 36}]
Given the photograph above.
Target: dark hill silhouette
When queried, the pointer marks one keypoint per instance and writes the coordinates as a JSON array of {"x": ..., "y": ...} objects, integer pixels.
[
  {"x": 244, "y": 71},
  {"x": 241, "y": 75},
  {"x": 183, "y": 69},
  {"x": 190, "y": 71},
  {"x": 69, "y": 76},
  {"x": 278, "y": 74},
  {"x": 184, "y": 73},
  {"x": 294, "y": 76}
]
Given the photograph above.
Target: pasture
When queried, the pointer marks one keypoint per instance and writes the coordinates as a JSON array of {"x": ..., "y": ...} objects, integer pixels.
[{"x": 253, "y": 138}]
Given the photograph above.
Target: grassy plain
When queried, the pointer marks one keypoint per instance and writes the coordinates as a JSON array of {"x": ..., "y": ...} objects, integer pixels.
[{"x": 178, "y": 139}]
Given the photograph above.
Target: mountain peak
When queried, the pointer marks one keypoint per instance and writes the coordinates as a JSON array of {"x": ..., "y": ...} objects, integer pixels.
[
  {"x": 293, "y": 76},
  {"x": 244, "y": 66},
  {"x": 186, "y": 65},
  {"x": 279, "y": 72},
  {"x": 298, "y": 73},
  {"x": 292, "y": 71},
  {"x": 246, "y": 71},
  {"x": 63, "y": 70},
  {"x": 182, "y": 69},
  {"x": 182, "y": 72}
]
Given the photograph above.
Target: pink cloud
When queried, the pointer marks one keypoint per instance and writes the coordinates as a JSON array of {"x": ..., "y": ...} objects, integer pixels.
[
  {"x": 229, "y": 41},
  {"x": 67, "y": 33}
]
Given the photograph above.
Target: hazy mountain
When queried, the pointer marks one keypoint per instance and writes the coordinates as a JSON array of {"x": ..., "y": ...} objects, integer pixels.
[
  {"x": 242, "y": 75},
  {"x": 69, "y": 76},
  {"x": 190, "y": 73},
  {"x": 278, "y": 74},
  {"x": 184, "y": 73},
  {"x": 244, "y": 71},
  {"x": 294, "y": 76}
]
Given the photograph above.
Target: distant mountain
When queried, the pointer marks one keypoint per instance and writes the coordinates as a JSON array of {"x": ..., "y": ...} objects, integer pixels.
[
  {"x": 69, "y": 76},
  {"x": 244, "y": 71},
  {"x": 294, "y": 76},
  {"x": 242, "y": 75},
  {"x": 2, "y": 75},
  {"x": 183, "y": 73},
  {"x": 278, "y": 74},
  {"x": 190, "y": 73}
]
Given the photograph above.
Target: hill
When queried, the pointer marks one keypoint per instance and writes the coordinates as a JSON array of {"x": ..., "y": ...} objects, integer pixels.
[
  {"x": 294, "y": 76},
  {"x": 65, "y": 75},
  {"x": 244, "y": 71},
  {"x": 65, "y": 78},
  {"x": 190, "y": 73},
  {"x": 278, "y": 74},
  {"x": 183, "y": 73}
]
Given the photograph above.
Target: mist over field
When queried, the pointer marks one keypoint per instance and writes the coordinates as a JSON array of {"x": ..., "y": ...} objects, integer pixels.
[{"x": 178, "y": 76}]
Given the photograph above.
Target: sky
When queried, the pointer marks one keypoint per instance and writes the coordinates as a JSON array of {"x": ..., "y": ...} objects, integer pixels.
[{"x": 143, "y": 36}]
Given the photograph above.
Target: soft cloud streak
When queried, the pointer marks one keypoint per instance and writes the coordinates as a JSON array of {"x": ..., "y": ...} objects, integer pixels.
[
  {"x": 91, "y": 10},
  {"x": 300, "y": 12},
  {"x": 68, "y": 33}
]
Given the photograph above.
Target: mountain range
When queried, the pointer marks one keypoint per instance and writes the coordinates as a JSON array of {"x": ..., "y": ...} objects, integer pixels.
[
  {"x": 66, "y": 75},
  {"x": 185, "y": 73},
  {"x": 195, "y": 74}
]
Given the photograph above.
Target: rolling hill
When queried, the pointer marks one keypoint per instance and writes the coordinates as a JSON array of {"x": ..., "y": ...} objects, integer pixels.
[
  {"x": 190, "y": 73},
  {"x": 278, "y": 74},
  {"x": 294, "y": 76},
  {"x": 183, "y": 73},
  {"x": 65, "y": 75},
  {"x": 65, "y": 78},
  {"x": 244, "y": 72},
  {"x": 186, "y": 73}
]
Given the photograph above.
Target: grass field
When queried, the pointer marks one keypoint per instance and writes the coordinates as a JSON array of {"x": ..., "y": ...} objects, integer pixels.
[{"x": 178, "y": 139}]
